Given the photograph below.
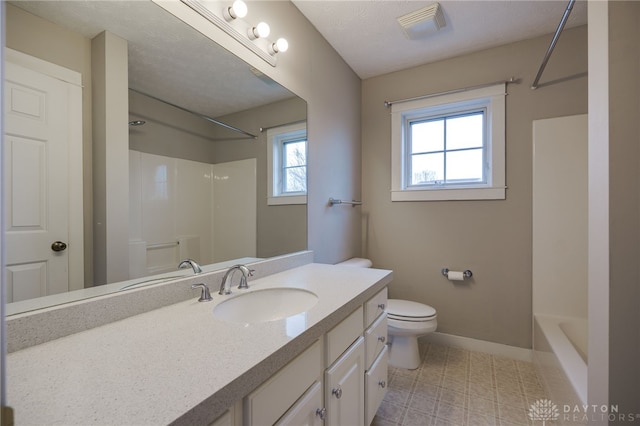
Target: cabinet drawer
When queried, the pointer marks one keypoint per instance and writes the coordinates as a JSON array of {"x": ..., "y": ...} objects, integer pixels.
[
  {"x": 375, "y": 338},
  {"x": 340, "y": 337},
  {"x": 375, "y": 382},
  {"x": 374, "y": 307},
  {"x": 305, "y": 412},
  {"x": 273, "y": 398}
]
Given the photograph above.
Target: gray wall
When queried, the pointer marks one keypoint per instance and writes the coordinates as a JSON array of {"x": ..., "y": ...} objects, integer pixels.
[
  {"x": 492, "y": 238},
  {"x": 624, "y": 205},
  {"x": 166, "y": 126}
]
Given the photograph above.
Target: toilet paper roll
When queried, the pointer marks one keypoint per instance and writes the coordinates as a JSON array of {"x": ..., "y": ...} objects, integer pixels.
[{"x": 455, "y": 275}]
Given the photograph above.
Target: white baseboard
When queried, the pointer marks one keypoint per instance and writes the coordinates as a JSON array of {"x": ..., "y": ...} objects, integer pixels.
[{"x": 513, "y": 352}]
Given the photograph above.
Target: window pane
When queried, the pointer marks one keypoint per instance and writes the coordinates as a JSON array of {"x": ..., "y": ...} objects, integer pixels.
[
  {"x": 427, "y": 168},
  {"x": 295, "y": 153},
  {"x": 295, "y": 179},
  {"x": 427, "y": 136},
  {"x": 465, "y": 131},
  {"x": 464, "y": 165}
]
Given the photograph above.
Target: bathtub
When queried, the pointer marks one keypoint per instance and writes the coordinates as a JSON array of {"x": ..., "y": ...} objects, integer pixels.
[{"x": 560, "y": 357}]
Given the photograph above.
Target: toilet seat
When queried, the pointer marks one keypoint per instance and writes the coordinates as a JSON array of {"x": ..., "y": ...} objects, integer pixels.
[{"x": 409, "y": 311}]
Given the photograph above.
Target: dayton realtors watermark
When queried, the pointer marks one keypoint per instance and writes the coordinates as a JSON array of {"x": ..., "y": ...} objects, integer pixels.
[{"x": 545, "y": 410}]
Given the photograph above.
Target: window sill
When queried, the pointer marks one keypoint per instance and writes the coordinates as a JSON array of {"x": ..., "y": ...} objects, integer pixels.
[
  {"x": 286, "y": 200},
  {"x": 449, "y": 194}
]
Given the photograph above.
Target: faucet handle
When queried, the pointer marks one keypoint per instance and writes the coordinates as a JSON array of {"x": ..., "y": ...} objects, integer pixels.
[
  {"x": 243, "y": 283},
  {"x": 205, "y": 295}
]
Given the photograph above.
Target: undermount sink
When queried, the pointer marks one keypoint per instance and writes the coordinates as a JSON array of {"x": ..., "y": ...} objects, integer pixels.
[{"x": 265, "y": 305}]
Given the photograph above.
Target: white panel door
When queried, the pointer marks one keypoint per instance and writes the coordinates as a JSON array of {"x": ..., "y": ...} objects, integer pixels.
[{"x": 36, "y": 163}]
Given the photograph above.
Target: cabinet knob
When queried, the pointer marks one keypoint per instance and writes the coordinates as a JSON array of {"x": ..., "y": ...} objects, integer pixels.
[
  {"x": 382, "y": 384},
  {"x": 381, "y": 306},
  {"x": 322, "y": 413},
  {"x": 382, "y": 339},
  {"x": 337, "y": 392}
]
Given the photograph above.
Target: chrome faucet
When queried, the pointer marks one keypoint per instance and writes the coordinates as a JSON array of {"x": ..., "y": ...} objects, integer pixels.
[
  {"x": 225, "y": 285},
  {"x": 190, "y": 262}
]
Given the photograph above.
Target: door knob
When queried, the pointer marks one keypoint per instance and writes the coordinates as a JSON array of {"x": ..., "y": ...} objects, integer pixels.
[{"x": 58, "y": 246}]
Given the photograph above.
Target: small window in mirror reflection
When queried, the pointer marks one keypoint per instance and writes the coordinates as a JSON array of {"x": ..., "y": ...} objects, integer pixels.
[{"x": 287, "y": 162}]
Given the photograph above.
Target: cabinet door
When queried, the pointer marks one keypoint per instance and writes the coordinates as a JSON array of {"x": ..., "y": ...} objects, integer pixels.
[
  {"x": 375, "y": 382},
  {"x": 307, "y": 411},
  {"x": 375, "y": 339},
  {"x": 344, "y": 388}
]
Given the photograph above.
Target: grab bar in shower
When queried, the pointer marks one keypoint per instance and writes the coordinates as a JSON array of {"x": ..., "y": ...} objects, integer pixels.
[{"x": 163, "y": 245}]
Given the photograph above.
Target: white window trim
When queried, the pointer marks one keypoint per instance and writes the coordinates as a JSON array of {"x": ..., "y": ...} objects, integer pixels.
[
  {"x": 273, "y": 163},
  {"x": 494, "y": 189}
]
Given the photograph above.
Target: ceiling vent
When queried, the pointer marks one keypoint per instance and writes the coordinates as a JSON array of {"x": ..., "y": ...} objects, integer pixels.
[{"x": 422, "y": 22}]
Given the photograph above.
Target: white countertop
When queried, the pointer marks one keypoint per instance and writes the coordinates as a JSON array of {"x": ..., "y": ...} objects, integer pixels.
[{"x": 179, "y": 363}]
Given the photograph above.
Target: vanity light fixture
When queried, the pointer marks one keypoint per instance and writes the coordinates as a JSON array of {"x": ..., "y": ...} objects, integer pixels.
[
  {"x": 237, "y": 10},
  {"x": 229, "y": 19},
  {"x": 261, "y": 30}
]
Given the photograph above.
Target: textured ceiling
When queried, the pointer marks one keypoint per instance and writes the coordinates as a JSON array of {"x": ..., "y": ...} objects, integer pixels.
[
  {"x": 368, "y": 37},
  {"x": 172, "y": 61},
  {"x": 167, "y": 58}
]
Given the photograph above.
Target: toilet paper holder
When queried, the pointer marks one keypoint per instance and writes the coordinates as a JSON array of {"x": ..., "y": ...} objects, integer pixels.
[{"x": 467, "y": 273}]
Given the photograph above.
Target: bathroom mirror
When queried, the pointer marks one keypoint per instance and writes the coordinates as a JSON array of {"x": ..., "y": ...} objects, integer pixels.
[{"x": 174, "y": 71}]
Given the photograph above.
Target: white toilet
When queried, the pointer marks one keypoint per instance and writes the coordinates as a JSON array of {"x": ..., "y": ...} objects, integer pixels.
[{"x": 406, "y": 321}]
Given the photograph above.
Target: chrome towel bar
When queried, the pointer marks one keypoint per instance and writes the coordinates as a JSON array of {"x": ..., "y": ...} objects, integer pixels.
[{"x": 353, "y": 203}]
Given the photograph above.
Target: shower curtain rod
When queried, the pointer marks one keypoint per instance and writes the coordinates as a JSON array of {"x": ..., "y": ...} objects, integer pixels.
[
  {"x": 552, "y": 46},
  {"x": 264, "y": 129},
  {"x": 450, "y": 92},
  {"x": 204, "y": 117}
]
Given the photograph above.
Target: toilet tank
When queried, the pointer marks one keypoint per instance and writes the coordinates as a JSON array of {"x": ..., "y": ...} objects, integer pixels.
[{"x": 357, "y": 262}]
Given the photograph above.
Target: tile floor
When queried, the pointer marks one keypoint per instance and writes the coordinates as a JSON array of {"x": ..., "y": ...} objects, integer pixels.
[{"x": 460, "y": 387}]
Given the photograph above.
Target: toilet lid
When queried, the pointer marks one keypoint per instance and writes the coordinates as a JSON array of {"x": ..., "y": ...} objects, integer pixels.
[{"x": 408, "y": 310}]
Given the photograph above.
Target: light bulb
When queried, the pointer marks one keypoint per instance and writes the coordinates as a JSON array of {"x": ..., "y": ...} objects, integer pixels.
[
  {"x": 260, "y": 30},
  {"x": 237, "y": 10},
  {"x": 281, "y": 45}
]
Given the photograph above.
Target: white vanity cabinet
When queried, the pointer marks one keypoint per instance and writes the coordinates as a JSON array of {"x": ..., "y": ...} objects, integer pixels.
[{"x": 338, "y": 380}]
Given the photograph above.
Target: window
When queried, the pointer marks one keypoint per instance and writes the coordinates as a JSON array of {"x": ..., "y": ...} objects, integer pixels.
[
  {"x": 449, "y": 147},
  {"x": 287, "y": 159}
]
